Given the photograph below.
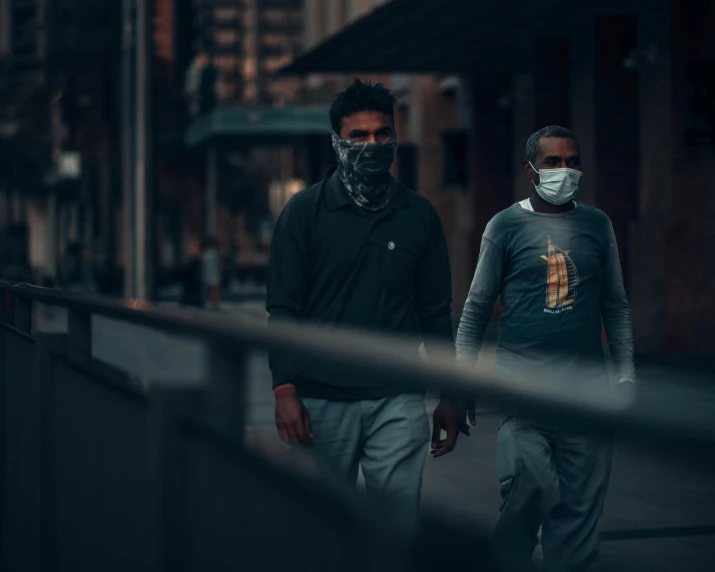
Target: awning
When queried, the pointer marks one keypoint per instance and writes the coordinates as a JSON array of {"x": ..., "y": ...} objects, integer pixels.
[
  {"x": 258, "y": 125},
  {"x": 453, "y": 36}
]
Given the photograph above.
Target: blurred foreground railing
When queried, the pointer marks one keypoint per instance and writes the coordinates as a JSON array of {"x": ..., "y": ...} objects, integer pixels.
[{"x": 103, "y": 471}]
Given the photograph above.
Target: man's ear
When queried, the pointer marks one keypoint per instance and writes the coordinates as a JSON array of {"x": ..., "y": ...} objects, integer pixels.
[{"x": 528, "y": 171}]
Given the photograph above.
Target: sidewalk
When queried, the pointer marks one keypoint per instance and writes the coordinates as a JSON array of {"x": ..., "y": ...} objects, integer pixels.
[{"x": 658, "y": 517}]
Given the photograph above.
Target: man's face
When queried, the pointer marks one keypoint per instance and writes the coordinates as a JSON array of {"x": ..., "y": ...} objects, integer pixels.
[
  {"x": 554, "y": 153},
  {"x": 367, "y": 127}
]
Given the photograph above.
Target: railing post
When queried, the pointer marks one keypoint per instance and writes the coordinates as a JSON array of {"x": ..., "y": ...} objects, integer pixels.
[
  {"x": 8, "y": 300},
  {"x": 227, "y": 388},
  {"x": 23, "y": 314},
  {"x": 6, "y": 296},
  {"x": 168, "y": 470},
  {"x": 79, "y": 337},
  {"x": 47, "y": 344}
]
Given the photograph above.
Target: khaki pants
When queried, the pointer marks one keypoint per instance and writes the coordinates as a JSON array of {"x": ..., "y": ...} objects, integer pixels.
[{"x": 387, "y": 438}]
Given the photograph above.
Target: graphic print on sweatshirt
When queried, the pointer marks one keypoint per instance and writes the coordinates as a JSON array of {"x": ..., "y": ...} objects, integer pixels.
[{"x": 561, "y": 280}]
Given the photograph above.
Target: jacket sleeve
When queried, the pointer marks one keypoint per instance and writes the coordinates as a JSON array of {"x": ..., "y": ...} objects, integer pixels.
[
  {"x": 479, "y": 306},
  {"x": 433, "y": 289},
  {"x": 288, "y": 282},
  {"x": 616, "y": 312}
]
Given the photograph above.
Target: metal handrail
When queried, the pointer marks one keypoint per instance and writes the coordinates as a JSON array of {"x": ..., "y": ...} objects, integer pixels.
[{"x": 647, "y": 412}]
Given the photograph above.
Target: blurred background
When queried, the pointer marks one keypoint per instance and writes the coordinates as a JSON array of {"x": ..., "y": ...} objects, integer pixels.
[
  {"x": 136, "y": 135},
  {"x": 130, "y": 132}
]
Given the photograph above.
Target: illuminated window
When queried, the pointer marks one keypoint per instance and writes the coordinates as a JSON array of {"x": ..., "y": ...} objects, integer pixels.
[
  {"x": 224, "y": 14},
  {"x": 225, "y": 37},
  {"x": 249, "y": 67}
]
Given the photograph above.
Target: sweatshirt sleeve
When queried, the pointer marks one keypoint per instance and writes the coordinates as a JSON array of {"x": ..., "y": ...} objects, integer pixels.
[
  {"x": 479, "y": 306},
  {"x": 615, "y": 311}
]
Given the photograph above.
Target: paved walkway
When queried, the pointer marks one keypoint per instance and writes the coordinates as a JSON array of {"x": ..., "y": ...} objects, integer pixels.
[{"x": 659, "y": 517}]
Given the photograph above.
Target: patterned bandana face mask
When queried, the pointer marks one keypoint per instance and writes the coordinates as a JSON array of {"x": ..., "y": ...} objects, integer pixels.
[{"x": 364, "y": 169}]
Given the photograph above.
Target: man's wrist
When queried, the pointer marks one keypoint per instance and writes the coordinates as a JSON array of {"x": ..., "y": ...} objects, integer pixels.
[
  {"x": 449, "y": 396},
  {"x": 283, "y": 390},
  {"x": 455, "y": 400}
]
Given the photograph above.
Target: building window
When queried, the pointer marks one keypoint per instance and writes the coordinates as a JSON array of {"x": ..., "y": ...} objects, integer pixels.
[
  {"x": 273, "y": 39},
  {"x": 226, "y": 14},
  {"x": 226, "y": 37},
  {"x": 343, "y": 13},
  {"x": 407, "y": 165},
  {"x": 454, "y": 144},
  {"x": 226, "y": 63}
]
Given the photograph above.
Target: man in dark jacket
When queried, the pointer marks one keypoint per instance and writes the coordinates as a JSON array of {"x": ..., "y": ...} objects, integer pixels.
[{"x": 359, "y": 250}]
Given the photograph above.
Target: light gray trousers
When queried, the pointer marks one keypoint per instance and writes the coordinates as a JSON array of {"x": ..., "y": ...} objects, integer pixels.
[
  {"x": 387, "y": 438},
  {"x": 555, "y": 478}
]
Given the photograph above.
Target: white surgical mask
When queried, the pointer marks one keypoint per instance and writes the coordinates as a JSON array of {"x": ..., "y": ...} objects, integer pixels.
[{"x": 557, "y": 186}]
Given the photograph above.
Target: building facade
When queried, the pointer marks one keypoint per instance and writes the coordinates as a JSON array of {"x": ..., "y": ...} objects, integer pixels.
[{"x": 58, "y": 91}]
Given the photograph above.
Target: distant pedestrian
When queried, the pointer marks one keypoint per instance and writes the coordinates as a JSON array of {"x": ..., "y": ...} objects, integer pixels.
[
  {"x": 230, "y": 267},
  {"x": 192, "y": 280},
  {"x": 211, "y": 269}
]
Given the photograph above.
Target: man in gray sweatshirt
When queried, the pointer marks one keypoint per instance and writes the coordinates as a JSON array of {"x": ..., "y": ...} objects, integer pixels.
[{"x": 554, "y": 263}]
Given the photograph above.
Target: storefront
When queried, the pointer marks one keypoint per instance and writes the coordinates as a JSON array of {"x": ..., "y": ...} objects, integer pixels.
[{"x": 255, "y": 158}]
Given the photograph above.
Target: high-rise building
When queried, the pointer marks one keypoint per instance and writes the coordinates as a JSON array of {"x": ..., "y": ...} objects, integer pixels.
[
  {"x": 4, "y": 28},
  {"x": 279, "y": 39},
  {"x": 220, "y": 40},
  {"x": 246, "y": 41},
  {"x": 26, "y": 34}
]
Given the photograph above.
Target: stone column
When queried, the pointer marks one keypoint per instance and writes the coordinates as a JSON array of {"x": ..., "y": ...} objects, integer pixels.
[
  {"x": 490, "y": 151},
  {"x": 524, "y": 124},
  {"x": 616, "y": 107},
  {"x": 689, "y": 256},
  {"x": 583, "y": 117},
  {"x": 551, "y": 81},
  {"x": 646, "y": 268},
  {"x": 491, "y": 173}
]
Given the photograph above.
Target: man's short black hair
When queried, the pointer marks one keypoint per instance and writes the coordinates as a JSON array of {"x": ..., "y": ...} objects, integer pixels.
[
  {"x": 358, "y": 97},
  {"x": 532, "y": 144}
]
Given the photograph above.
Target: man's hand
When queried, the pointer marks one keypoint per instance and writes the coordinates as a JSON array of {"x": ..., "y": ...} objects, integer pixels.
[
  {"x": 292, "y": 420},
  {"x": 450, "y": 416}
]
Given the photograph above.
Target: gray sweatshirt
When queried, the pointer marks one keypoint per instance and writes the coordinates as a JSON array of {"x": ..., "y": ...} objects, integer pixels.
[{"x": 559, "y": 278}]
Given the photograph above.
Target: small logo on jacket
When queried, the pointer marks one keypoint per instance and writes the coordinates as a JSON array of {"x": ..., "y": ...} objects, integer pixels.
[{"x": 391, "y": 245}]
